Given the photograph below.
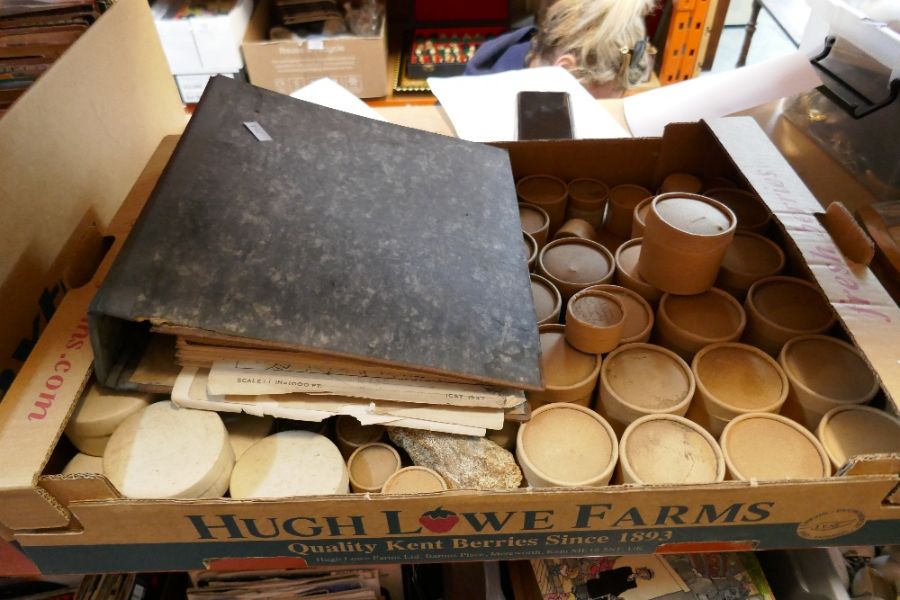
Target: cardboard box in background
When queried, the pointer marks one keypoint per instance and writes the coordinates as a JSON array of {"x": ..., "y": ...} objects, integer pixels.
[
  {"x": 359, "y": 63},
  {"x": 203, "y": 44},
  {"x": 191, "y": 86},
  {"x": 107, "y": 131},
  {"x": 200, "y": 47}
]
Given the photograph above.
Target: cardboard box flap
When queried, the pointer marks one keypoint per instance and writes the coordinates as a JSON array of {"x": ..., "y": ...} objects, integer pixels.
[
  {"x": 42, "y": 397},
  {"x": 79, "y": 487},
  {"x": 70, "y": 149},
  {"x": 31, "y": 508},
  {"x": 862, "y": 304},
  {"x": 873, "y": 464}
]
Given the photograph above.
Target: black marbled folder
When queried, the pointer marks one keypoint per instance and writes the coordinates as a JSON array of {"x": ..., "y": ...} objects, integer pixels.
[{"x": 340, "y": 235}]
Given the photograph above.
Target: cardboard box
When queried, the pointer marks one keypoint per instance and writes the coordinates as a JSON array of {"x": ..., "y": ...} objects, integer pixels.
[
  {"x": 191, "y": 87},
  {"x": 79, "y": 523},
  {"x": 359, "y": 63},
  {"x": 205, "y": 44}
]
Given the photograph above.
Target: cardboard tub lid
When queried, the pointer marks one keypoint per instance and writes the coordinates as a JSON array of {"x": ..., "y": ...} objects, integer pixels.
[
  {"x": 648, "y": 377},
  {"x": 575, "y": 260},
  {"x": 849, "y": 431},
  {"x": 670, "y": 449},
  {"x": 563, "y": 365},
  {"x": 829, "y": 367},
  {"x": 547, "y": 301},
  {"x": 740, "y": 376},
  {"x": 567, "y": 444},
  {"x": 692, "y": 214},
  {"x": 770, "y": 447},
  {"x": 101, "y": 410},
  {"x": 639, "y": 316}
]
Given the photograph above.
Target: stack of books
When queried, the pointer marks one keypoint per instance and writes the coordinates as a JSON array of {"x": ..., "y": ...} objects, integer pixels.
[{"x": 33, "y": 34}]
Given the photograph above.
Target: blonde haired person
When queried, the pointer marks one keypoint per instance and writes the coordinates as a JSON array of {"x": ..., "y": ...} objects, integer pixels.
[{"x": 593, "y": 39}]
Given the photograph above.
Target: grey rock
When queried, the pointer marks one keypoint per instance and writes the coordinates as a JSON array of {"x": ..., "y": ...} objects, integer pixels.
[{"x": 466, "y": 462}]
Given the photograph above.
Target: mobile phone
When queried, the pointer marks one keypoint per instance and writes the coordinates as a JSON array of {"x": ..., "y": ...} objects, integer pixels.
[{"x": 544, "y": 116}]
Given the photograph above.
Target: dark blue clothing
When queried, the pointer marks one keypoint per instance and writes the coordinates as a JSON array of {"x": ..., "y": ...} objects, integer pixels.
[{"x": 506, "y": 52}]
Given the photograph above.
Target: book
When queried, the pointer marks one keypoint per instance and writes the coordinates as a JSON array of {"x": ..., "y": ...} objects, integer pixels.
[{"x": 279, "y": 225}]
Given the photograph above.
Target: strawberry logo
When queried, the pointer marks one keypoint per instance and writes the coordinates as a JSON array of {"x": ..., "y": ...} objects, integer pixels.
[{"x": 439, "y": 520}]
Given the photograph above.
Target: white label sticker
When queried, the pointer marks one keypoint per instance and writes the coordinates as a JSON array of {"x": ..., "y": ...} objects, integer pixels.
[
  {"x": 315, "y": 44},
  {"x": 257, "y": 130}
]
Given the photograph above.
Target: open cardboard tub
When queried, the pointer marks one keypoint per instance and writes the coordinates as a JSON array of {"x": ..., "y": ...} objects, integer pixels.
[{"x": 65, "y": 200}]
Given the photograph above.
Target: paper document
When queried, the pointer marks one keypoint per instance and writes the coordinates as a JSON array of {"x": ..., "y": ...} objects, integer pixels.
[
  {"x": 191, "y": 391},
  {"x": 253, "y": 378},
  {"x": 329, "y": 93},
  {"x": 482, "y": 108},
  {"x": 719, "y": 94}
]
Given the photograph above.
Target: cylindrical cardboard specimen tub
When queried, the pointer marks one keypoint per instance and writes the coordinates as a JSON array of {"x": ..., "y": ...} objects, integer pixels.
[
  {"x": 531, "y": 250},
  {"x": 565, "y": 445},
  {"x": 163, "y": 451},
  {"x": 547, "y": 300},
  {"x": 535, "y": 222},
  {"x": 545, "y": 191},
  {"x": 735, "y": 379},
  {"x": 371, "y": 465},
  {"x": 98, "y": 413},
  {"x": 290, "y": 463},
  {"x": 669, "y": 449},
  {"x": 751, "y": 212},
  {"x": 94, "y": 446},
  {"x": 349, "y": 434},
  {"x": 825, "y": 373},
  {"x": 414, "y": 480},
  {"x": 569, "y": 374},
  {"x": 573, "y": 264},
  {"x": 594, "y": 321},
  {"x": 576, "y": 228},
  {"x": 768, "y": 447},
  {"x": 749, "y": 258},
  {"x": 587, "y": 200},
  {"x": 505, "y": 437},
  {"x": 620, "y": 210},
  {"x": 639, "y": 316},
  {"x": 245, "y": 430},
  {"x": 83, "y": 463},
  {"x": 713, "y": 183},
  {"x": 685, "y": 324},
  {"x": 639, "y": 220},
  {"x": 781, "y": 308},
  {"x": 681, "y": 182},
  {"x": 627, "y": 275},
  {"x": 218, "y": 489},
  {"x": 685, "y": 239},
  {"x": 637, "y": 380},
  {"x": 848, "y": 431}
]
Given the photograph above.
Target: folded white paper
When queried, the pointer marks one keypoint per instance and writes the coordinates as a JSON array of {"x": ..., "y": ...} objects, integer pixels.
[
  {"x": 482, "y": 108},
  {"x": 719, "y": 94},
  {"x": 190, "y": 391},
  {"x": 329, "y": 93}
]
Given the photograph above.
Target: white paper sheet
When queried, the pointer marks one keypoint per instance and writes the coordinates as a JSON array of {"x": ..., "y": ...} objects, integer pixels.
[
  {"x": 190, "y": 391},
  {"x": 327, "y": 92},
  {"x": 483, "y": 108},
  {"x": 720, "y": 94}
]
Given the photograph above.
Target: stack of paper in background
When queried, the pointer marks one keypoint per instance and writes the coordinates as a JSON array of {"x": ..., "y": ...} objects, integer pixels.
[
  {"x": 33, "y": 34},
  {"x": 362, "y": 584},
  {"x": 299, "y": 269},
  {"x": 201, "y": 38}
]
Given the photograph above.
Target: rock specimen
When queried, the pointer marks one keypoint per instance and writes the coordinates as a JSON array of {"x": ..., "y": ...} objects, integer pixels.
[{"x": 466, "y": 462}]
